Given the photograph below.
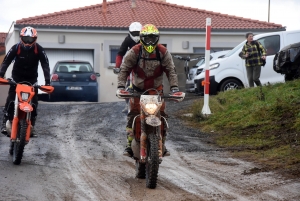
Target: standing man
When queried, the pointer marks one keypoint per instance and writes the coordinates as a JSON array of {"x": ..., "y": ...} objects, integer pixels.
[
  {"x": 26, "y": 56},
  {"x": 132, "y": 39},
  {"x": 254, "y": 53}
]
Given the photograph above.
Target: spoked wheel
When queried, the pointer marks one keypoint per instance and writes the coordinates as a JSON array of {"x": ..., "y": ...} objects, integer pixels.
[
  {"x": 18, "y": 146},
  {"x": 140, "y": 169},
  {"x": 152, "y": 160}
]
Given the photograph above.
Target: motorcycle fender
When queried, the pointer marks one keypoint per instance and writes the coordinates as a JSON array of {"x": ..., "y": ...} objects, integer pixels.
[
  {"x": 135, "y": 146},
  {"x": 26, "y": 107},
  {"x": 153, "y": 120}
]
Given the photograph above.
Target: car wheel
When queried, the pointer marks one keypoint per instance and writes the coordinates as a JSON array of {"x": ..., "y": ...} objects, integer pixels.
[{"x": 230, "y": 84}]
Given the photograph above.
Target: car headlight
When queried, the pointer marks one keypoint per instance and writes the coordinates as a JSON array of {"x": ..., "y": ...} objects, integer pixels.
[
  {"x": 25, "y": 96},
  {"x": 213, "y": 66}
]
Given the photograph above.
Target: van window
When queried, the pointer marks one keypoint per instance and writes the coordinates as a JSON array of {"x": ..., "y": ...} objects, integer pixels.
[
  {"x": 271, "y": 44},
  {"x": 293, "y": 38},
  {"x": 231, "y": 52}
]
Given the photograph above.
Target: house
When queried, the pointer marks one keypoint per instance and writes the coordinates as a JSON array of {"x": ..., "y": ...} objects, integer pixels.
[
  {"x": 2, "y": 46},
  {"x": 94, "y": 33}
]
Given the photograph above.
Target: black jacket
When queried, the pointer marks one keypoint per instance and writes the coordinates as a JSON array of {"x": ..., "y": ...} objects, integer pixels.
[
  {"x": 26, "y": 63},
  {"x": 127, "y": 43}
]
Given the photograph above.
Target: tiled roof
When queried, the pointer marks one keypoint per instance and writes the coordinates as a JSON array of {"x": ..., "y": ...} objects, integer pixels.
[
  {"x": 2, "y": 37},
  {"x": 120, "y": 13}
]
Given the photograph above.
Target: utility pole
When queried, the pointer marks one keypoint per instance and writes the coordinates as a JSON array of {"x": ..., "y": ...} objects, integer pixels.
[{"x": 269, "y": 11}]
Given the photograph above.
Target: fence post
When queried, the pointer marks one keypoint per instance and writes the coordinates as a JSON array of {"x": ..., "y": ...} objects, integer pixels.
[{"x": 205, "y": 83}]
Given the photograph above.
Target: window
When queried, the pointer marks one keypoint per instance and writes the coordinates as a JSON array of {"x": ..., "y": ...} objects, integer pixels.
[
  {"x": 200, "y": 50},
  {"x": 271, "y": 44},
  {"x": 113, "y": 53}
]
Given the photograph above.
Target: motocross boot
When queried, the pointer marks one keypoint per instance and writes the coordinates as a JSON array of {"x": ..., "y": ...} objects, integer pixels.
[
  {"x": 3, "y": 126},
  {"x": 128, "y": 150},
  {"x": 32, "y": 131}
]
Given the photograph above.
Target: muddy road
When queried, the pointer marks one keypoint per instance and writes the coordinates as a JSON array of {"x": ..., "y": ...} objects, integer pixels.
[{"x": 77, "y": 156}]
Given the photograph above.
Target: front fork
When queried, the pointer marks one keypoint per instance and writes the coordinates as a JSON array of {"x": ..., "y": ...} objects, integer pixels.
[{"x": 18, "y": 114}]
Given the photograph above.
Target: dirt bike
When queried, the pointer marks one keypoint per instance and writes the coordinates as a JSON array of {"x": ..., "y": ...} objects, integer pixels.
[
  {"x": 148, "y": 128},
  {"x": 186, "y": 65},
  {"x": 20, "y": 127}
]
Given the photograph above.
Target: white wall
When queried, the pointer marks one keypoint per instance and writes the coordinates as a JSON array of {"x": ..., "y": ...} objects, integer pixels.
[{"x": 101, "y": 40}]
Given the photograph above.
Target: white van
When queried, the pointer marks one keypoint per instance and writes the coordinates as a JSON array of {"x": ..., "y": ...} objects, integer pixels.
[
  {"x": 229, "y": 72},
  {"x": 189, "y": 84}
]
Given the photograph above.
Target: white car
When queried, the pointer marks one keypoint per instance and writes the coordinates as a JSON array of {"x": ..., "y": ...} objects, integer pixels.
[
  {"x": 230, "y": 72},
  {"x": 190, "y": 84}
]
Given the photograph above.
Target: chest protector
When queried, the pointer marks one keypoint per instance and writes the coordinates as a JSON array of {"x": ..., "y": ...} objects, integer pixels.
[{"x": 141, "y": 67}]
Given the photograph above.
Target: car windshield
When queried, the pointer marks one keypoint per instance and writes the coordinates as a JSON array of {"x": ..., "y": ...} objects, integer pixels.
[
  {"x": 200, "y": 62},
  {"x": 231, "y": 52},
  {"x": 74, "y": 67}
]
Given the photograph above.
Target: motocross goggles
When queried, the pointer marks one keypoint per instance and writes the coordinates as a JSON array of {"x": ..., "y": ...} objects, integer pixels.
[
  {"x": 28, "y": 39},
  {"x": 135, "y": 33},
  {"x": 150, "y": 39}
]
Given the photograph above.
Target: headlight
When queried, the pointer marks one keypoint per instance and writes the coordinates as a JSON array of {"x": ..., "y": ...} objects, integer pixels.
[
  {"x": 25, "y": 96},
  {"x": 213, "y": 66},
  {"x": 150, "y": 108}
]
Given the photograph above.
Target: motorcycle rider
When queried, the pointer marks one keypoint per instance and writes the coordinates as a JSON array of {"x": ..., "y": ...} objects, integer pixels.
[
  {"x": 26, "y": 56},
  {"x": 132, "y": 39},
  {"x": 148, "y": 70}
]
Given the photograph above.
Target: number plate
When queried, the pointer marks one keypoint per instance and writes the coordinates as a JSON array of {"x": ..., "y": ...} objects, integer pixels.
[{"x": 74, "y": 88}]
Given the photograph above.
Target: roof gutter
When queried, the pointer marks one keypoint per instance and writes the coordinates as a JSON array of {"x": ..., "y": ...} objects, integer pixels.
[{"x": 162, "y": 30}]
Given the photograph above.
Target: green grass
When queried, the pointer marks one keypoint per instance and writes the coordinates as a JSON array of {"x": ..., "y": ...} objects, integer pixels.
[{"x": 261, "y": 123}]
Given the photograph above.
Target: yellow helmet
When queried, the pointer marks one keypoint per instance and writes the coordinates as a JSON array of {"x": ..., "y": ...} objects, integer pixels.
[{"x": 149, "y": 37}]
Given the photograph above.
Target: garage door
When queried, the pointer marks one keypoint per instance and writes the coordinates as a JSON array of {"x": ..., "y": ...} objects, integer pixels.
[{"x": 55, "y": 55}]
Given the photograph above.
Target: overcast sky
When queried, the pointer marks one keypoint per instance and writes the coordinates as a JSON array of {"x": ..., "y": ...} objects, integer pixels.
[{"x": 284, "y": 12}]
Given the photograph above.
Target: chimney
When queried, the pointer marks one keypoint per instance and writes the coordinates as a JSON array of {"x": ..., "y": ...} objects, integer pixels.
[
  {"x": 133, "y": 4},
  {"x": 104, "y": 6}
]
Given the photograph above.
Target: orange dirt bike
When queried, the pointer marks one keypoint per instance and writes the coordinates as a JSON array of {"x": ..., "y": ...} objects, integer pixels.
[
  {"x": 20, "y": 127},
  {"x": 148, "y": 128}
]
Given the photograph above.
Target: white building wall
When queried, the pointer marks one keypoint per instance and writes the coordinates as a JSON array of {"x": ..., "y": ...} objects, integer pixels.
[{"x": 101, "y": 40}]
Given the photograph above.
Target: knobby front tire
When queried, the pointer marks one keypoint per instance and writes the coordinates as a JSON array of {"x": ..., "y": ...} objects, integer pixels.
[
  {"x": 20, "y": 142},
  {"x": 152, "y": 160}
]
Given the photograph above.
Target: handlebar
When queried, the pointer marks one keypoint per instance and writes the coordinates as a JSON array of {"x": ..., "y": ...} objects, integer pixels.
[
  {"x": 45, "y": 88},
  {"x": 138, "y": 95},
  {"x": 134, "y": 94},
  {"x": 186, "y": 58}
]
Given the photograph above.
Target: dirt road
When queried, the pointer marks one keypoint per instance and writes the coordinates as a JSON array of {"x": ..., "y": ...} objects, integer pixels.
[{"x": 78, "y": 156}]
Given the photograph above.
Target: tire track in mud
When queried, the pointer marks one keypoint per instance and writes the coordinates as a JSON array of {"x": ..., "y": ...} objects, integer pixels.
[
  {"x": 78, "y": 156},
  {"x": 93, "y": 185}
]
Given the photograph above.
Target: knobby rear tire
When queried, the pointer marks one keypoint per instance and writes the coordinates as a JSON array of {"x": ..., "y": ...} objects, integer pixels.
[
  {"x": 20, "y": 142},
  {"x": 152, "y": 160}
]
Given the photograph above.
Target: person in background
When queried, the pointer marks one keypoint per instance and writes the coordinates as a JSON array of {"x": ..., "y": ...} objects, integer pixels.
[
  {"x": 250, "y": 53},
  {"x": 132, "y": 39},
  {"x": 26, "y": 56},
  {"x": 148, "y": 60}
]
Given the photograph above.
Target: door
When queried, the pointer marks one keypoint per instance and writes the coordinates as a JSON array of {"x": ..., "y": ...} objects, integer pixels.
[{"x": 272, "y": 46}]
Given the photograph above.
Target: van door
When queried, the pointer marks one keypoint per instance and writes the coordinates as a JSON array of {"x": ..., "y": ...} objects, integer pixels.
[{"x": 272, "y": 46}]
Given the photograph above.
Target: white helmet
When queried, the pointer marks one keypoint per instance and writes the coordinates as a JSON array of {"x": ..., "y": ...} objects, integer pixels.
[{"x": 134, "y": 31}]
